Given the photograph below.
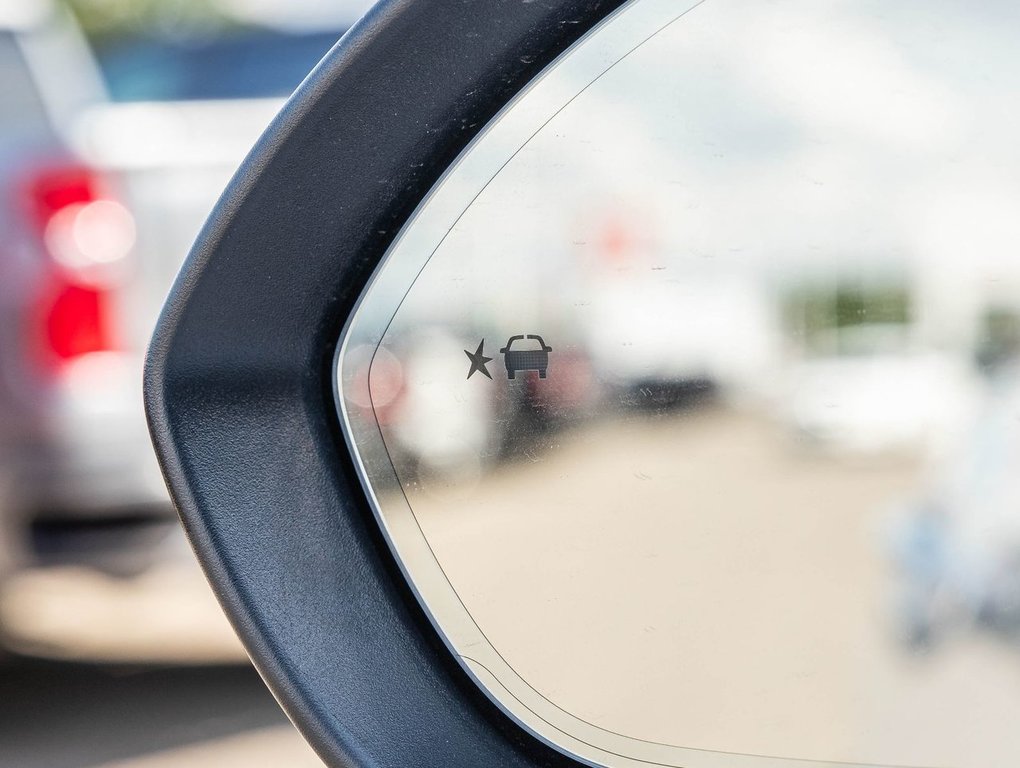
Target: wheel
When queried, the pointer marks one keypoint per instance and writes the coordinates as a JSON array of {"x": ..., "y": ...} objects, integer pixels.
[{"x": 541, "y": 374}]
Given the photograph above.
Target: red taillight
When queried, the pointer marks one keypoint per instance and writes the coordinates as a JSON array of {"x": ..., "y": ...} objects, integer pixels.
[
  {"x": 53, "y": 189},
  {"x": 75, "y": 321},
  {"x": 85, "y": 237}
]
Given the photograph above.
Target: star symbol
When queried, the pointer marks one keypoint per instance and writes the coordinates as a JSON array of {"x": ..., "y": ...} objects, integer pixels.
[{"x": 478, "y": 361}]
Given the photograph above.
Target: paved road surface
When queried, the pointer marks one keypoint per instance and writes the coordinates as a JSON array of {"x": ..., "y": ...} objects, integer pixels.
[
  {"x": 701, "y": 580},
  {"x": 67, "y": 715}
]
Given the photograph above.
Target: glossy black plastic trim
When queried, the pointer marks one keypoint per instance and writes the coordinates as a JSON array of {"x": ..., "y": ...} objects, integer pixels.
[{"x": 238, "y": 379}]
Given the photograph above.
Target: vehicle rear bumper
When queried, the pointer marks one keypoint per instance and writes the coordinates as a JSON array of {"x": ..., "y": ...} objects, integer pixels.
[
  {"x": 123, "y": 478},
  {"x": 89, "y": 454}
]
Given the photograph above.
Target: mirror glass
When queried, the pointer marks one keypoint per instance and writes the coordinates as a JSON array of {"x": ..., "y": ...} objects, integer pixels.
[{"x": 689, "y": 400}]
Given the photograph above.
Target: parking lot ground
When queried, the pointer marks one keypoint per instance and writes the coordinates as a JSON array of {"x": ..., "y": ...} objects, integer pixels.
[
  {"x": 165, "y": 614},
  {"x": 73, "y": 715},
  {"x": 706, "y": 580}
]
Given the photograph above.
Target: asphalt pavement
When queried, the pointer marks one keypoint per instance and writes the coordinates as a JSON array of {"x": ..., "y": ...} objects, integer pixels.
[
  {"x": 73, "y": 715},
  {"x": 705, "y": 579}
]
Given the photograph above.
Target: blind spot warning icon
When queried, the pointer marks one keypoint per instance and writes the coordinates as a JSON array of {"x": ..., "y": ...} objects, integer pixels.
[
  {"x": 478, "y": 361},
  {"x": 533, "y": 359}
]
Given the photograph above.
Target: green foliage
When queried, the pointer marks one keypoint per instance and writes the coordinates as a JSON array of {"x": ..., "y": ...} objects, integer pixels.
[
  {"x": 104, "y": 19},
  {"x": 844, "y": 306},
  {"x": 816, "y": 315}
]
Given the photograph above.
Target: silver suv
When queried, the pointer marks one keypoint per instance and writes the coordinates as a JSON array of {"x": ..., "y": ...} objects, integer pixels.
[{"x": 74, "y": 456}]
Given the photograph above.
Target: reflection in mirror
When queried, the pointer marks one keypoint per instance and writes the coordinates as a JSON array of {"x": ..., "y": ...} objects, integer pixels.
[{"x": 690, "y": 399}]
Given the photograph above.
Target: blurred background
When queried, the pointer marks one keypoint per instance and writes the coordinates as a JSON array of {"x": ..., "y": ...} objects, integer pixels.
[
  {"x": 121, "y": 121},
  {"x": 817, "y": 296}
]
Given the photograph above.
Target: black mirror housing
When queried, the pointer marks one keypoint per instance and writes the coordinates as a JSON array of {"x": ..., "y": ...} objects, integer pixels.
[{"x": 239, "y": 392}]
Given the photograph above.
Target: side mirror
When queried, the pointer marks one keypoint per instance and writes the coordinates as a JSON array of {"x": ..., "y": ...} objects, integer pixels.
[{"x": 619, "y": 384}]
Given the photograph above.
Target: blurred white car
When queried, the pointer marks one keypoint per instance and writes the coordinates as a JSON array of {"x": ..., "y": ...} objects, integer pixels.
[
  {"x": 434, "y": 420},
  {"x": 674, "y": 331},
  {"x": 877, "y": 392}
]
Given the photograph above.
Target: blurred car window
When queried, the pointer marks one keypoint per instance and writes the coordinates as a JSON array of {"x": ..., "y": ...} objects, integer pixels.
[
  {"x": 23, "y": 109},
  {"x": 237, "y": 65}
]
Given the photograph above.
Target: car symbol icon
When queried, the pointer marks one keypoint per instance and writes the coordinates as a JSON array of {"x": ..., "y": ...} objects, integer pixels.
[{"x": 526, "y": 359}]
